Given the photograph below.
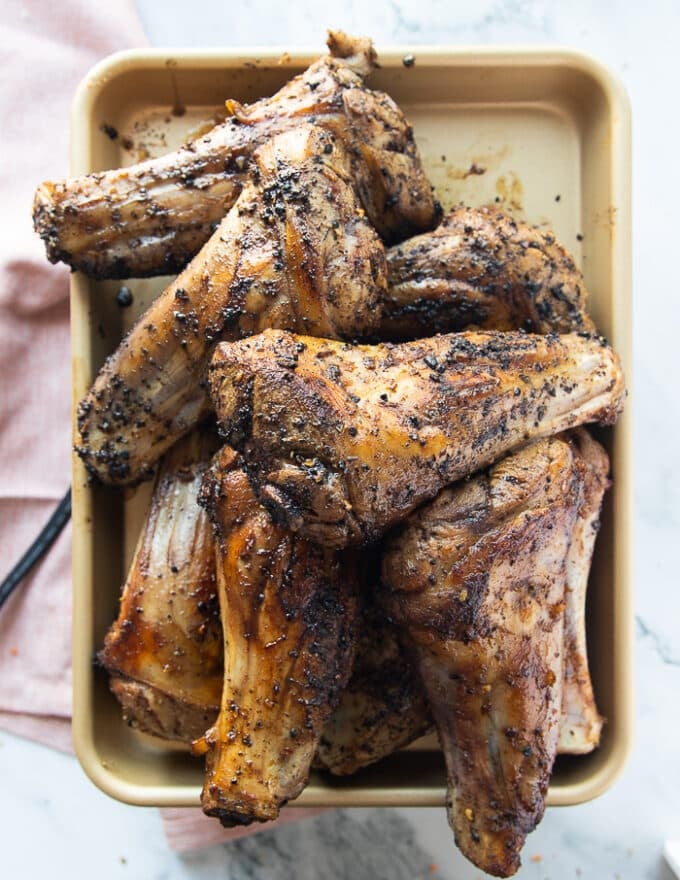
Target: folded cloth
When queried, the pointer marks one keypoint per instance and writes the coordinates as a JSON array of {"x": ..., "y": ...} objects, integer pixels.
[
  {"x": 47, "y": 49},
  {"x": 188, "y": 829}
]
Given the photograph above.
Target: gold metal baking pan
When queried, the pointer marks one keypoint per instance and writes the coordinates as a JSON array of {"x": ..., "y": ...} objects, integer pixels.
[{"x": 545, "y": 134}]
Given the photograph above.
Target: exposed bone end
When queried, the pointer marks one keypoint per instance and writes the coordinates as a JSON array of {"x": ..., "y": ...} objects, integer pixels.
[
  {"x": 599, "y": 380},
  {"x": 616, "y": 388},
  {"x": 247, "y": 804},
  {"x": 500, "y": 850},
  {"x": 358, "y": 52},
  {"x": 45, "y": 219},
  {"x": 236, "y": 795},
  {"x": 580, "y": 733}
]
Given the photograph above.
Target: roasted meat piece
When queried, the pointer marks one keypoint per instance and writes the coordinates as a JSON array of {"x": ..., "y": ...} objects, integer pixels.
[
  {"x": 476, "y": 580},
  {"x": 288, "y": 610},
  {"x": 345, "y": 441},
  {"x": 481, "y": 268},
  {"x": 295, "y": 251},
  {"x": 164, "y": 652},
  {"x": 581, "y": 723},
  {"x": 152, "y": 218},
  {"x": 383, "y": 707}
]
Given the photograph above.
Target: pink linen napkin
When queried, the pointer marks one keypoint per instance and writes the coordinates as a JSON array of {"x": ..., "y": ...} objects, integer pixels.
[{"x": 47, "y": 49}]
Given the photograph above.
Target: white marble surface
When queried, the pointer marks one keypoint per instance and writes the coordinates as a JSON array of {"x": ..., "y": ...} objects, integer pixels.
[{"x": 53, "y": 822}]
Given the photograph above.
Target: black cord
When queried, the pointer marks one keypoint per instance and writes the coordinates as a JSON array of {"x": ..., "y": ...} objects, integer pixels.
[{"x": 38, "y": 548}]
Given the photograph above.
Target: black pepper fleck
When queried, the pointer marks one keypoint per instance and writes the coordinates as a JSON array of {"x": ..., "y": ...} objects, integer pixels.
[
  {"x": 124, "y": 297},
  {"x": 109, "y": 130}
]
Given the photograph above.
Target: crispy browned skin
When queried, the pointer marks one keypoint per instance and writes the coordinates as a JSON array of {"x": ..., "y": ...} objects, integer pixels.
[
  {"x": 383, "y": 707},
  {"x": 581, "y": 723},
  {"x": 477, "y": 581},
  {"x": 152, "y": 218},
  {"x": 164, "y": 651},
  {"x": 481, "y": 268},
  {"x": 344, "y": 441},
  {"x": 288, "y": 611},
  {"x": 381, "y": 710},
  {"x": 295, "y": 251}
]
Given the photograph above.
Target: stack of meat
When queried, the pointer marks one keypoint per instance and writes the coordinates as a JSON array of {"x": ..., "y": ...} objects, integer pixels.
[{"x": 399, "y": 529}]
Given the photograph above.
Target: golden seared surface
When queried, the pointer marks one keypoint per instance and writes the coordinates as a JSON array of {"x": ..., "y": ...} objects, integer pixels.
[
  {"x": 581, "y": 723},
  {"x": 152, "y": 218},
  {"x": 344, "y": 441},
  {"x": 476, "y": 580},
  {"x": 295, "y": 252},
  {"x": 481, "y": 268},
  {"x": 383, "y": 707},
  {"x": 164, "y": 650},
  {"x": 288, "y": 610}
]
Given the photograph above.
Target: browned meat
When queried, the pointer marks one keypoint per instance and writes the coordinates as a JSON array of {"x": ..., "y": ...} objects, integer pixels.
[
  {"x": 164, "y": 652},
  {"x": 581, "y": 723},
  {"x": 344, "y": 441},
  {"x": 477, "y": 581},
  {"x": 295, "y": 251},
  {"x": 383, "y": 707},
  {"x": 169, "y": 682},
  {"x": 152, "y": 218},
  {"x": 482, "y": 269},
  {"x": 162, "y": 715},
  {"x": 288, "y": 612}
]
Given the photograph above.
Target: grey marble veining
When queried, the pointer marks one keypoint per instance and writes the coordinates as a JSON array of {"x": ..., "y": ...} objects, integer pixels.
[
  {"x": 347, "y": 840},
  {"x": 54, "y": 822}
]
